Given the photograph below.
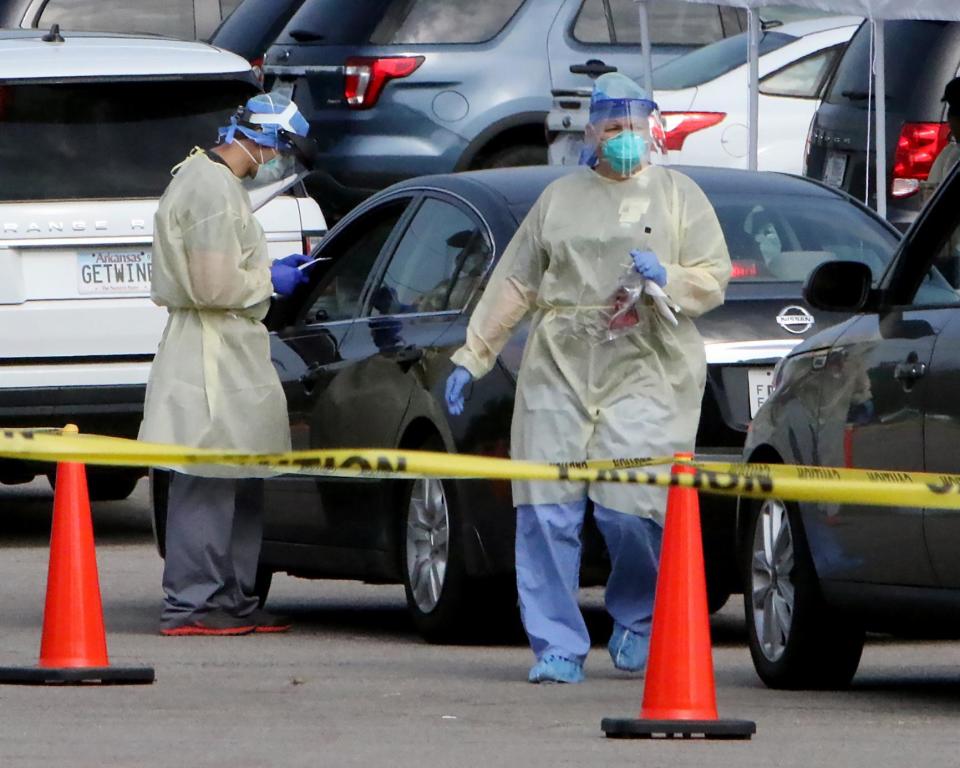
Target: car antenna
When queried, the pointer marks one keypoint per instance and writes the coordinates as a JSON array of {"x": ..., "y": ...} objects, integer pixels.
[{"x": 53, "y": 36}]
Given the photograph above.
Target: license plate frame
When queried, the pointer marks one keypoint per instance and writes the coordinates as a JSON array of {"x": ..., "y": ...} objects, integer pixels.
[
  {"x": 759, "y": 387},
  {"x": 114, "y": 271},
  {"x": 835, "y": 168}
]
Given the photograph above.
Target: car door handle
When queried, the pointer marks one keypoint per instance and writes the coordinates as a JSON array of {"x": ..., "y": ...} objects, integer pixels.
[
  {"x": 592, "y": 67},
  {"x": 910, "y": 371}
]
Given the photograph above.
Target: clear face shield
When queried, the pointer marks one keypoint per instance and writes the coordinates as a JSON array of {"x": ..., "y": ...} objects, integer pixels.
[
  {"x": 281, "y": 169},
  {"x": 624, "y": 136}
]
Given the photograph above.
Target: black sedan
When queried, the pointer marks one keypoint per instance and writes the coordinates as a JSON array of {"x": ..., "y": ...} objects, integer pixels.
[
  {"x": 363, "y": 353},
  {"x": 878, "y": 391}
]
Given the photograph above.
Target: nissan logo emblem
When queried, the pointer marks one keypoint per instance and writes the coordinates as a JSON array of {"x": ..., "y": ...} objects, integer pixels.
[{"x": 795, "y": 319}]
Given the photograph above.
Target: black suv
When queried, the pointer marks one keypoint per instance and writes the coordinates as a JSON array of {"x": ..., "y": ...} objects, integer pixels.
[{"x": 922, "y": 57}]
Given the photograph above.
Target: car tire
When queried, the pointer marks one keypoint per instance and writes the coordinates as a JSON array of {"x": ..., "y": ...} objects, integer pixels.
[
  {"x": 511, "y": 157},
  {"x": 446, "y": 603},
  {"x": 105, "y": 484},
  {"x": 796, "y": 640}
]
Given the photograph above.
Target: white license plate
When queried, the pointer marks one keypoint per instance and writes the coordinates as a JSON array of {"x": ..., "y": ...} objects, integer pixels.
[
  {"x": 760, "y": 385},
  {"x": 834, "y": 169},
  {"x": 112, "y": 272}
]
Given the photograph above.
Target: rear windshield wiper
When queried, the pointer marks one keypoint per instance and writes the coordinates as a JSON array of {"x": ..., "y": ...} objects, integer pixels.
[
  {"x": 860, "y": 95},
  {"x": 306, "y": 35}
]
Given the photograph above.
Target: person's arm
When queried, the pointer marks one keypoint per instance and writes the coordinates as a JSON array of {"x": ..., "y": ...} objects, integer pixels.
[
  {"x": 508, "y": 298},
  {"x": 211, "y": 226},
  {"x": 697, "y": 282}
]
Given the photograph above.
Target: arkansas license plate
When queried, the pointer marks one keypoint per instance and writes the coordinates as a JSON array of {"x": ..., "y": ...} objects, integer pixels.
[
  {"x": 834, "y": 169},
  {"x": 111, "y": 272},
  {"x": 760, "y": 384}
]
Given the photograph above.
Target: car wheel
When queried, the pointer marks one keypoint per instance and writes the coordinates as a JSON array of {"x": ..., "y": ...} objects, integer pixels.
[
  {"x": 510, "y": 157},
  {"x": 434, "y": 574},
  {"x": 796, "y": 640},
  {"x": 105, "y": 484}
]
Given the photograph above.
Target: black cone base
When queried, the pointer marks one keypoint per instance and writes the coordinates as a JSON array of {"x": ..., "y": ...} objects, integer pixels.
[
  {"x": 672, "y": 729},
  {"x": 88, "y": 675}
]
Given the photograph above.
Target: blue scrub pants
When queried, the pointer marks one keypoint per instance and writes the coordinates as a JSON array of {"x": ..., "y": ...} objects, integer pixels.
[{"x": 548, "y": 574}]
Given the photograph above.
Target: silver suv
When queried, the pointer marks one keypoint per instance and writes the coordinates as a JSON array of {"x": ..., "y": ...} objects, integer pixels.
[{"x": 92, "y": 126}]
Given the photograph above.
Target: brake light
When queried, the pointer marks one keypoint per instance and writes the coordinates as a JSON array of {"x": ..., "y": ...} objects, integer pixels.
[
  {"x": 311, "y": 240},
  {"x": 257, "y": 66},
  {"x": 679, "y": 125},
  {"x": 741, "y": 269},
  {"x": 917, "y": 148},
  {"x": 365, "y": 77}
]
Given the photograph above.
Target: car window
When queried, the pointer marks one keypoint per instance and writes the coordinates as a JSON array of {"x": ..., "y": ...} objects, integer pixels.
[
  {"x": 941, "y": 285},
  {"x": 354, "y": 249},
  {"x": 171, "y": 17},
  {"x": 784, "y": 237},
  {"x": 411, "y": 22},
  {"x": 712, "y": 61},
  {"x": 802, "y": 79},
  {"x": 107, "y": 139},
  {"x": 671, "y": 23},
  {"x": 437, "y": 265},
  {"x": 254, "y": 25}
]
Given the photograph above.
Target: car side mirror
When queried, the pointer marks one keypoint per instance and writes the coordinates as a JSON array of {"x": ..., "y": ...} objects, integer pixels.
[{"x": 839, "y": 286}]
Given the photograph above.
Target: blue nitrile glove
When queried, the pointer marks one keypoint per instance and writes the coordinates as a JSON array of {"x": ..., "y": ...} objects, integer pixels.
[
  {"x": 285, "y": 278},
  {"x": 648, "y": 265},
  {"x": 293, "y": 260},
  {"x": 456, "y": 382}
]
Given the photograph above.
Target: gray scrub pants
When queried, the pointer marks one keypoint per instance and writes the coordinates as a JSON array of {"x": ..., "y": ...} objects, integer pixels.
[{"x": 214, "y": 531}]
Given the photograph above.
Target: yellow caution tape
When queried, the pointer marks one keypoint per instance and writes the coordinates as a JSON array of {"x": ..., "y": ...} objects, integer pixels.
[{"x": 787, "y": 482}]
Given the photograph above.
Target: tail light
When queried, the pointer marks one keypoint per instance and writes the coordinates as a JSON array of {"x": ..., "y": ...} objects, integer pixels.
[
  {"x": 365, "y": 77},
  {"x": 311, "y": 240},
  {"x": 917, "y": 148},
  {"x": 679, "y": 125},
  {"x": 741, "y": 268},
  {"x": 257, "y": 66}
]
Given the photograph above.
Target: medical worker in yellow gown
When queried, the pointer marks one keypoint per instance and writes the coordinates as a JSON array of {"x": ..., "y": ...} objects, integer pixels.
[
  {"x": 584, "y": 393},
  {"x": 212, "y": 384}
]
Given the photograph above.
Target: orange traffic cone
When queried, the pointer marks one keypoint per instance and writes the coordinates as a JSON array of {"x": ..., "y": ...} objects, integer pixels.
[
  {"x": 73, "y": 647},
  {"x": 679, "y": 697}
]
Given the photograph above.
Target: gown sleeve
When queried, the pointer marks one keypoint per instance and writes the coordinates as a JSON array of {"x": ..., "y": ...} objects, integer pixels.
[
  {"x": 210, "y": 222},
  {"x": 697, "y": 282},
  {"x": 509, "y": 297}
]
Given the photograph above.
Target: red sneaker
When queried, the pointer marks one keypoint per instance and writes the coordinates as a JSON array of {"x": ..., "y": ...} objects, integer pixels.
[
  {"x": 268, "y": 622},
  {"x": 216, "y": 623}
]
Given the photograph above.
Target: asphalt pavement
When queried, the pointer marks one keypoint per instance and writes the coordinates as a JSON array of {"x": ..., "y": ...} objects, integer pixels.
[{"x": 352, "y": 684}]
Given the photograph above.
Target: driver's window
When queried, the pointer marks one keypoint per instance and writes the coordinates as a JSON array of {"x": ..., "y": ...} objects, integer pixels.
[
  {"x": 941, "y": 285},
  {"x": 438, "y": 264},
  {"x": 354, "y": 251}
]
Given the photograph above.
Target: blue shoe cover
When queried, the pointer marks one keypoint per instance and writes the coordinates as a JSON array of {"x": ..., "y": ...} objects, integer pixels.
[
  {"x": 555, "y": 669},
  {"x": 628, "y": 649}
]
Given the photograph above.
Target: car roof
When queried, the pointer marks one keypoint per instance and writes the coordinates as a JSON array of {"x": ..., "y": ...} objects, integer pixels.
[
  {"x": 25, "y": 56},
  {"x": 520, "y": 187}
]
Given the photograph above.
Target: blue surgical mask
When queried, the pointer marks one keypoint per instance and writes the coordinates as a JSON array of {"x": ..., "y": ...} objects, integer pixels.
[{"x": 625, "y": 152}]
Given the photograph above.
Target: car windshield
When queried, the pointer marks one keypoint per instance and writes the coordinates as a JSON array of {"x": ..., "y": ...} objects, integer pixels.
[
  {"x": 107, "y": 139},
  {"x": 712, "y": 61},
  {"x": 782, "y": 238}
]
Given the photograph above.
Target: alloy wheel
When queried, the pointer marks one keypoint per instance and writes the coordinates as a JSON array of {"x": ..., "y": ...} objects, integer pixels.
[
  {"x": 771, "y": 579},
  {"x": 428, "y": 539}
]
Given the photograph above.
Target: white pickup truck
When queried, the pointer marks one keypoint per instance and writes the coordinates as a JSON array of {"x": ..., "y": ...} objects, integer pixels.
[{"x": 91, "y": 126}]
